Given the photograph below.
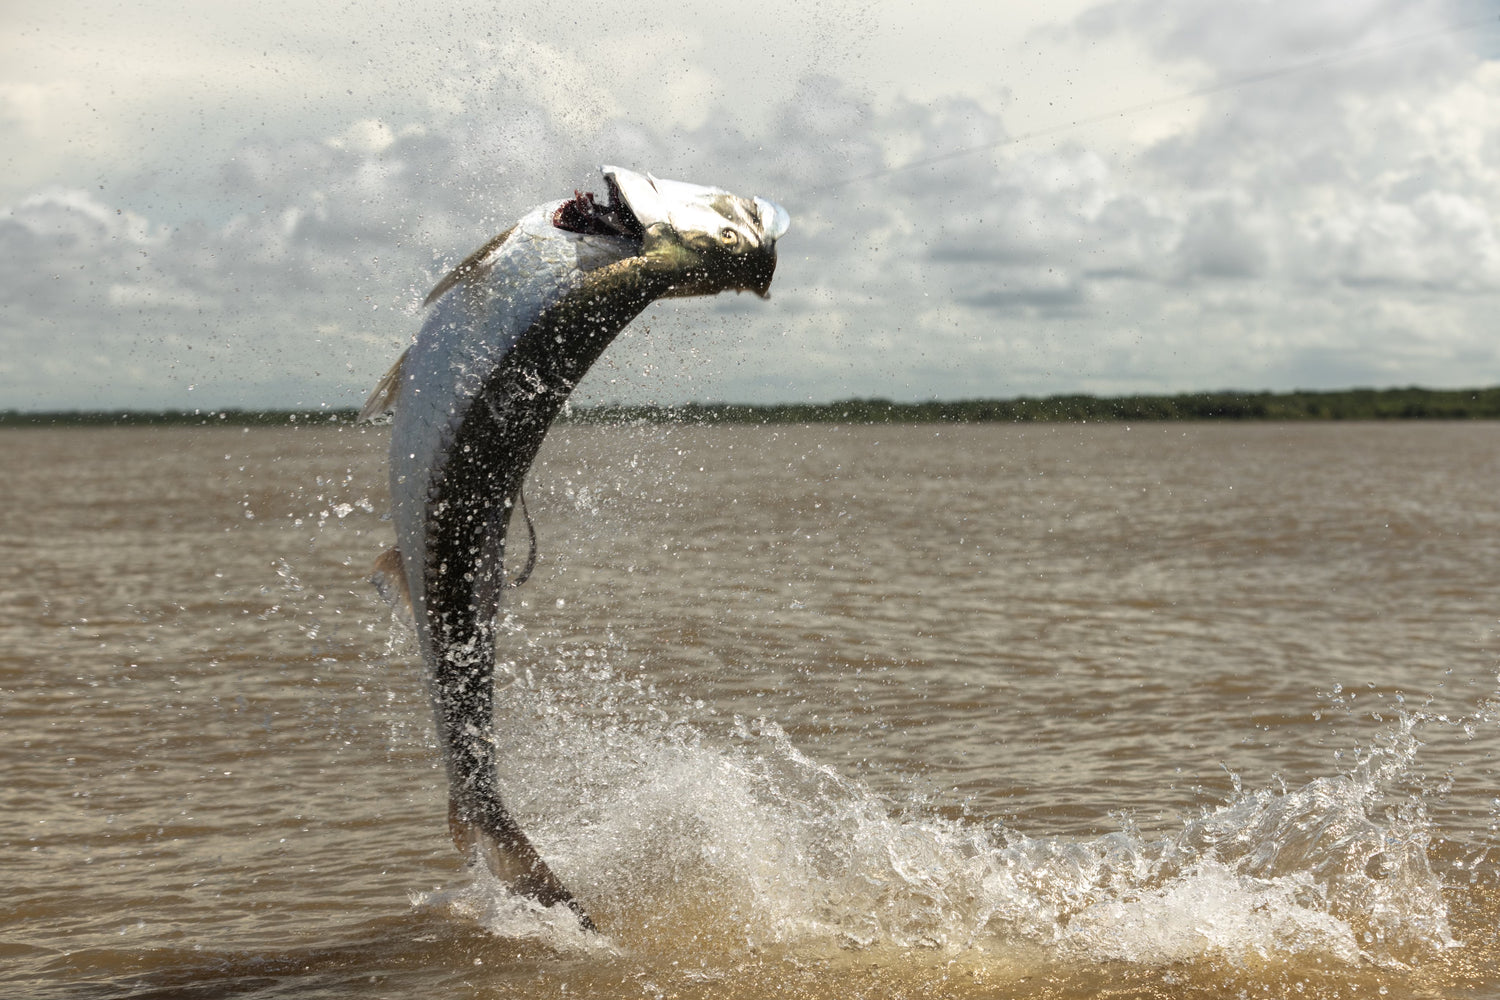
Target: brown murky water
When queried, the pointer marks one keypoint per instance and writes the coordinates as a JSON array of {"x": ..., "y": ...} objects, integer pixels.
[{"x": 1056, "y": 711}]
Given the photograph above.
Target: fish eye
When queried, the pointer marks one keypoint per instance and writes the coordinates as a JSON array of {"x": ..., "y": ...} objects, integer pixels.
[{"x": 728, "y": 237}]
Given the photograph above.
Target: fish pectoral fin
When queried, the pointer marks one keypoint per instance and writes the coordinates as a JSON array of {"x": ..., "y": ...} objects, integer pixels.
[
  {"x": 389, "y": 578},
  {"x": 383, "y": 399},
  {"x": 510, "y": 858}
]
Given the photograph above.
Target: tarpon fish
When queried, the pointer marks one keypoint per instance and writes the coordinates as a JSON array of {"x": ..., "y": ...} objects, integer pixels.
[{"x": 512, "y": 330}]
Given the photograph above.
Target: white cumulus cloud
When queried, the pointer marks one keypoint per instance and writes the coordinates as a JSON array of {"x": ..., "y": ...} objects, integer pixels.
[{"x": 1319, "y": 211}]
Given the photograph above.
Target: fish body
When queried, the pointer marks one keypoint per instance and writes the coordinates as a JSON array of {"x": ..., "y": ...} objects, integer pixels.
[{"x": 512, "y": 331}]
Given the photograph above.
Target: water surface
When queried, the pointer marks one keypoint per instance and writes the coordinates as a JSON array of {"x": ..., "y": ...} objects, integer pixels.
[{"x": 998, "y": 711}]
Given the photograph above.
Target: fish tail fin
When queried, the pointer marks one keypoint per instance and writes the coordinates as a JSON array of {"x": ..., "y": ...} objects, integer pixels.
[{"x": 510, "y": 857}]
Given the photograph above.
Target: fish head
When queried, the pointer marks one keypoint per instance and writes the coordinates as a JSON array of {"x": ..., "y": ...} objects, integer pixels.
[{"x": 706, "y": 239}]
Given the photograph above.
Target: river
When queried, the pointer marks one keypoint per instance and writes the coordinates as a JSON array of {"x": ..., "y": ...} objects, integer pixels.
[{"x": 1162, "y": 710}]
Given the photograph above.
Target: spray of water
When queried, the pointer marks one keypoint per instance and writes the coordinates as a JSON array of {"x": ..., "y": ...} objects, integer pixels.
[{"x": 738, "y": 842}]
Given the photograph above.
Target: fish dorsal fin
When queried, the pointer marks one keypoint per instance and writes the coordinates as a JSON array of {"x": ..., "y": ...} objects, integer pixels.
[
  {"x": 473, "y": 266},
  {"x": 389, "y": 578},
  {"x": 383, "y": 399}
]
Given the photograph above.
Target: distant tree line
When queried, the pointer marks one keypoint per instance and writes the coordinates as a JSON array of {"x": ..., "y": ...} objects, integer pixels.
[
  {"x": 170, "y": 418},
  {"x": 1347, "y": 404}
]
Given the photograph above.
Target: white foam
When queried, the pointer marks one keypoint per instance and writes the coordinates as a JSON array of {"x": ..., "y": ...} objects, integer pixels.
[
  {"x": 1214, "y": 913},
  {"x": 485, "y": 901},
  {"x": 674, "y": 839}
]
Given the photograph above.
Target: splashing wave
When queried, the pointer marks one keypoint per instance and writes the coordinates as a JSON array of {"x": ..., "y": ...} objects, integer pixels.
[{"x": 676, "y": 839}]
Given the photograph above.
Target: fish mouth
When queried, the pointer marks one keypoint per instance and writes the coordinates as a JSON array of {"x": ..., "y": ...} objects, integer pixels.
[
  {"x": 757, "y": 271},
  {"x": 680, "y": 205},
  {"x": 696, "y": 216},
  {"x": 774, "y": 220},
  {"x": 583, "y": 214}
]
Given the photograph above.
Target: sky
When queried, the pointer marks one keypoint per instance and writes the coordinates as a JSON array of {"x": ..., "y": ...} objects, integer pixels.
[{"x": 214, "y": 205}]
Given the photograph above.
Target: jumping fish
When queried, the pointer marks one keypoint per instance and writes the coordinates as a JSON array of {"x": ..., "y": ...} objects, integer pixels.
[{"x": 512, "y": 330}]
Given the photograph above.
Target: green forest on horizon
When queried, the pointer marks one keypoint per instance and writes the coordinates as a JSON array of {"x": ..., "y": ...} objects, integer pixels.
[{"x": 1347, "y": 404}]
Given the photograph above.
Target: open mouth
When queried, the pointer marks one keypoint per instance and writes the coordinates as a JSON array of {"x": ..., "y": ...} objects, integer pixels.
[
  {"x": 730, "y": 241},
  {"x": 584, "y": 215}
]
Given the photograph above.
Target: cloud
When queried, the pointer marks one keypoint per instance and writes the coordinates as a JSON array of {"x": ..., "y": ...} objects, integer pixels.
[{"x": 1336, "y": 223}]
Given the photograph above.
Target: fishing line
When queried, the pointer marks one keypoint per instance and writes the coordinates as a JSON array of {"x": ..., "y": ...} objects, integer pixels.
[
  {"x": 525, "y": 573},
  {"x": 1135, "y": 109}
]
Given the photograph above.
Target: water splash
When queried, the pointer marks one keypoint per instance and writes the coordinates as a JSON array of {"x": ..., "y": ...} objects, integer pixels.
[
  {"x": 732, "y": 844},
  {"x": 485, "y": 901}
]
